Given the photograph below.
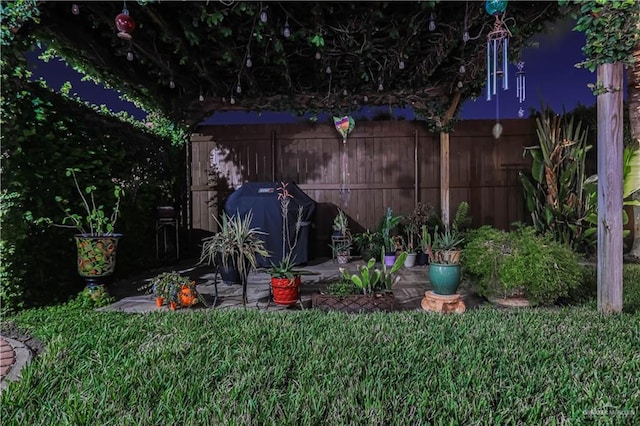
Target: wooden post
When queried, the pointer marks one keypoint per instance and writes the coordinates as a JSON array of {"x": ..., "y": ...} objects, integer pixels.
[
  {"x": 416, "y": 181},
  {"x": 444, "y": 177},
  {"x": 610, "y": 188}
]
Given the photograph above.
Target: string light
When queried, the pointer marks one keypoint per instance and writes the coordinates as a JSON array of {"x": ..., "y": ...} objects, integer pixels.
[
  {"x": 318, "y": 55},
  {"x": 201, "y": 97},
  {"x": 401, "y": 65},
  {"x": 465, "y": 36},
  {"x": 462, "y": 69},
  {"x": 287, "y": 30},
  {"x": 459, "y": 85},
  {"x": 432, "y": 22},
  {"x": 172, "y": 84},
  {"x": 344, "y": 92},
  {"x": 263, "y": 16},
  {"x": 75, "y": 9},
  {"x": 380, "y": 87},
  {"x": 232, "y": 100},
  {"x": 238, "y": 88},
  {"x": 130, "y": 55},
  {"x": 366, "y": 98},
  {"x": 328, "y": 70},
  {"x": 249, "y": 62}
]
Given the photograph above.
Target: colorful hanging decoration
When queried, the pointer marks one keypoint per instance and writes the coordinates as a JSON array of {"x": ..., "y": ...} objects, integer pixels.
[
  {"x": 125, "y": 23},
  {"x": 344, "y": 126},
  {"x": 497, "y": 47}
]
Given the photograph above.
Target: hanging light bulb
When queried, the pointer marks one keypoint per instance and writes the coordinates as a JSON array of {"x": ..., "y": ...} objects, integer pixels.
[
  {"x": 459, "y": 85},
  {"x": 232, "y": 100},
  {"x": 75, "y": 9},
  {"x": 238, "y": 88},
  {"x": 401, "y": 65},
  {"x": 328, "y": 70},
  {"x": 432, "y": 22},
  {"x": 366, "y": 98},
  {"x": 263, "y": 16},
  {"x": 249, "y": 62},
  {"x": 497, "y": 130},
  {"x": 172, "y": 84},
  {"x": 130, "y": 55},
  {"x": 380, "y": 87},
  {"x": 287, "y": 31},
  {"x": 318, "y": 55},
  {"x": 201, "y": 97},
  {"x": 125, "y": 23},
  {"x": 224, "y": 100},
  {"x": 465, "y": 36},
  {"x": 462, "y": 69},
  {"x": 344, "y": 92}
]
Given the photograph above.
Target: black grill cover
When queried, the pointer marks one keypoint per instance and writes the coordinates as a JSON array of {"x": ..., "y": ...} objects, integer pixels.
[{"x": 262, "y": 199}]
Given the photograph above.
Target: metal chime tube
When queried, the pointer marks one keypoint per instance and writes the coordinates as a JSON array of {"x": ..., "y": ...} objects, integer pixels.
[
  {"x": 518, "y": 86},
  {"x": 505, "y": 63},
  {"x": 524, "y": 87},
  {"x": 495, "y": 65},
  {"x": 488, "y": 70}
]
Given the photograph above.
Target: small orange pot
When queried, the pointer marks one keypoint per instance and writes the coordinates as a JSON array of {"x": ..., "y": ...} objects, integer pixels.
[
  {"x": 188, "y": 296},
  {"x": 173, "y": 306},
  {"x": 159, "y": 301}
]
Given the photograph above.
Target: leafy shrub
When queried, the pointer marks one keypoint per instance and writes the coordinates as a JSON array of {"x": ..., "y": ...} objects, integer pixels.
[{"x": 521, "y": 262}]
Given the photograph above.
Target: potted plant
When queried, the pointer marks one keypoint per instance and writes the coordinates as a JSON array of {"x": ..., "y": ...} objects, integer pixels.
[
  {"x": 237, "y": 245},
  {"x": 341, "y": 251},
  {"x": 423, "y": 215},
  {"x": 173, "y": 289},
  {"x": 341, "y": 225},
  {"x": 96, "y": 240},
  {"x": 285, "y": 277},
  {"x": 369, "y": 243},
  {"x": 369, "y": 289},
  {"x": 444, "y": 261},
  {"x": 389, "y": 223},
  {"x": 411, "y": 232}
]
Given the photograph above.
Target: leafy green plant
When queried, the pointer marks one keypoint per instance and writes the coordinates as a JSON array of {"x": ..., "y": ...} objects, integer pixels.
[
  {"x": 286, "y": 268},
  {"x": 370, "y": 280},
  {"x": 341, "y": 223},
  {"x": 389, "y": 223},
  {"x": 92, "y": 298},
  {"x": 236, "y": 244},
  {"x": 166, "y": 285},
  {"x": 558, "y": 194},
  {"x": 369, "y": 243},
  {"x": 521, "y": 262},
  {"x": 94, "y": 221}
]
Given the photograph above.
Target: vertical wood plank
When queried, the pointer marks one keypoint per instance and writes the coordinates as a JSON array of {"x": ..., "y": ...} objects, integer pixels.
[{"x": 609, "y": 107}]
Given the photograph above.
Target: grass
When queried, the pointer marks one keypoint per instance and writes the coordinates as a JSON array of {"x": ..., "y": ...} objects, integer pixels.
[{"x": 488, "y": 366}]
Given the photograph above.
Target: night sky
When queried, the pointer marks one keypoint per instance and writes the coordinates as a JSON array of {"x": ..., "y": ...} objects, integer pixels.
[{"x": 551, "y": 77}]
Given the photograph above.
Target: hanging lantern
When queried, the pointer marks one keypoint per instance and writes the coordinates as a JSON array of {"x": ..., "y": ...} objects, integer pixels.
[
  {"x": 125, "y": 23},
  {"x": 521, "y": 83},
  {"x": 497, "y": 48}
]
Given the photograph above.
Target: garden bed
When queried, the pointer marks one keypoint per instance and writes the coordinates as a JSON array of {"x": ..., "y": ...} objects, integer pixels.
[{"x": 355, "y": 303}]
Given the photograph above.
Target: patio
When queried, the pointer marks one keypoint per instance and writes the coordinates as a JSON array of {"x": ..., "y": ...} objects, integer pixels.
[{"x": 409, "y": 290}]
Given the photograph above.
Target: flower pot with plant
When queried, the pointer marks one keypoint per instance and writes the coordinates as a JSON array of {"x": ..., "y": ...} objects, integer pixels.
[
  {"x": 423, "y": 215},
  {"x": 444, "y": 261},
  {"x": 169, "y": 287},
  {"x": 236, "y": 245},
  {"x": 341, "y": 225},
  {"x": 285, "y": 277},
  {"x": 389, "y": 224},
  {"x": 341, "y": 251},
  {"x": 96, "y": 240}
]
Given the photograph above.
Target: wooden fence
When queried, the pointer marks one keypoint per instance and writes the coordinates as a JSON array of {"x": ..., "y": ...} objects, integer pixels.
[{"x": 383, "y": 164}]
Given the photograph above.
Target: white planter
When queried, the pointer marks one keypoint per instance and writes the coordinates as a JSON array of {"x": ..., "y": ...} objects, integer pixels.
[{"x": 410, "y": 261}]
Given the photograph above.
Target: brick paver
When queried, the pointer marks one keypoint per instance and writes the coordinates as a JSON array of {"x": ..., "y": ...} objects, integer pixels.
[{"x": 7, "y": 357}]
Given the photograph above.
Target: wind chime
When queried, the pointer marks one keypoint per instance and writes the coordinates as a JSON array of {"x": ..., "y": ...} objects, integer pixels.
[
  {"x": 497, "y": 49},
  {"x": 344, "y": 126},
  {"x": 125, "y": 25}
]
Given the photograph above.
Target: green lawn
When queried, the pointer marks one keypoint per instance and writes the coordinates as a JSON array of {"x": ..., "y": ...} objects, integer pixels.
[{"x": 487, "y": 366}]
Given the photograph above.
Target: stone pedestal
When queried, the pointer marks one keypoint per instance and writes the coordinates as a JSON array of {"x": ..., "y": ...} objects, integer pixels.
[{"x": 439, "y": 303}]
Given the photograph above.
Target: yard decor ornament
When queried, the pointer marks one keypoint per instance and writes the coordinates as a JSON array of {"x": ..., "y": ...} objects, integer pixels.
[{"x": 344, "y": 126}]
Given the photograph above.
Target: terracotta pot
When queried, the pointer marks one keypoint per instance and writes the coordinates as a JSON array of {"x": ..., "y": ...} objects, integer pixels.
[
  {"x": 285, "y": 291},
  {"x": 173, "y": 306},
  {"x": 188, "y": 296},
  {"x": 159, "y": 301}
]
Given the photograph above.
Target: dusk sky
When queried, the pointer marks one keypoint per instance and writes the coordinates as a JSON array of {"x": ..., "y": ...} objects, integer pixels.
[{"x": 551, "y": 78}]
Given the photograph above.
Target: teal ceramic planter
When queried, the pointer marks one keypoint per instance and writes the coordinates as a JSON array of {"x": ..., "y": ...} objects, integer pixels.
[{"x": 444, "y": 278}]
